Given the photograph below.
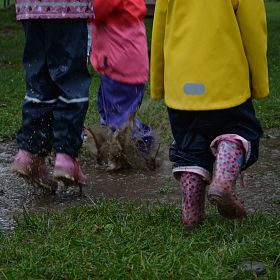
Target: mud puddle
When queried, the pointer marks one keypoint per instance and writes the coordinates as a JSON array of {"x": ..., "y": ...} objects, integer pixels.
[{"x": 261, "y": 194}]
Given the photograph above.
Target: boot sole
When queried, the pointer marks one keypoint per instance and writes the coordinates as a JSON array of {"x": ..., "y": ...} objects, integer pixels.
[{"x": 226, "y": 207}]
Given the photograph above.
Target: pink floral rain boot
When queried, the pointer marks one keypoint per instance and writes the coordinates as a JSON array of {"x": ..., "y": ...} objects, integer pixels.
[
  {"x": 229, "y": 159},
  {"x": 68, "y": 170},
  {"x": 193, "y": 200},
  {"x": 34, "y": 168}
]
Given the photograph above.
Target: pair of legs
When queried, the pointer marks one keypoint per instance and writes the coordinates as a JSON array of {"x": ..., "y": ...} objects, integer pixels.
[
  {"x": 221, "y": 142},
  {"x": 56, "y": 101},
  {"x": 118, "y": 104}
]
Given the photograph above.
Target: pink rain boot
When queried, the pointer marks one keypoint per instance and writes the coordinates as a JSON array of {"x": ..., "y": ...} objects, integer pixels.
[
  {"x": 193, "y": 200},
  {"x": 68, "y": 170},
  {"x": 33, "y": 168},
  {"x": 229, "y": 159}
]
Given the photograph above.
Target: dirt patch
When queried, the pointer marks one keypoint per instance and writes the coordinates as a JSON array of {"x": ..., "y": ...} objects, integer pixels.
[{"x": 261, "y": 194}]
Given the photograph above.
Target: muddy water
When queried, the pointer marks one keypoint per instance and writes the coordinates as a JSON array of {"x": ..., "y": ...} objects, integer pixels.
[
  {"x": 17, "y": 194},
  {"x": 261, "y": 194}
]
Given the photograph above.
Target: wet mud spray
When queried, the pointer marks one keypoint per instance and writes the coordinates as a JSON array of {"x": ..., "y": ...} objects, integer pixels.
[{"x": 262, "y": 192}]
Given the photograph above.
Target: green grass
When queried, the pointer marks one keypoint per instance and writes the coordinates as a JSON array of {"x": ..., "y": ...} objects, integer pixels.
[
  {"x": 12, "y": 76},
  {"x": 268, "y": 109},
  {"x": 113, "y": 240}
]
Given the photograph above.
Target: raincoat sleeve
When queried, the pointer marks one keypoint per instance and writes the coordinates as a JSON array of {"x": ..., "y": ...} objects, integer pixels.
[
  {"x": 157, "y": 53},
  {"x": 103, "y": 9},
  {"x": 252, "y": 23}
]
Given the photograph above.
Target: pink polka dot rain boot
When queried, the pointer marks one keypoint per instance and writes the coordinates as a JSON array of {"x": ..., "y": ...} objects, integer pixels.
[
  {"x": 229, "y": 159},
  {"x": 193, "y": 200}
]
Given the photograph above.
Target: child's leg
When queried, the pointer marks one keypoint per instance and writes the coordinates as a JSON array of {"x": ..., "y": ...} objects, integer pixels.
[
  {"x": 35, "y": 135},
  {"x": 236, "y": 147},
  {"x": 118, "y": 104},
  {"x": 193, "y": 199},
  {"x": 66, "y": 44},
  {"x": 193, "y": 162},
  {"x": 230, "y": 151}
]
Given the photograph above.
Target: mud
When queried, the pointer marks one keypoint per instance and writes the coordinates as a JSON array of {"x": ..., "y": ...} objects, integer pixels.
[
  {"x": 118, "y": 150},
  {"x": 262, "y": 191}
]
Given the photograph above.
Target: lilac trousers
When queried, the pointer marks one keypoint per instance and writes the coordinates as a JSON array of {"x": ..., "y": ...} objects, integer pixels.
[{"x": 118, "y": 104}]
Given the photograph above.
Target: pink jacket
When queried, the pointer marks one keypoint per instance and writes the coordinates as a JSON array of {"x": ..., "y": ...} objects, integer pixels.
[
  {"x": 53, "y": 9},
  {"x": 119, "y": 42}
]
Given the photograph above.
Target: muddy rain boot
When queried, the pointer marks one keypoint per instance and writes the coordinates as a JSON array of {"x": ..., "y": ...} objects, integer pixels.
[
  {"x": 68, "y": 170},
  {"x": 34, "y": 169},
  {"x": 229, "y": 159},
  {"x": 193, "y": 199}
]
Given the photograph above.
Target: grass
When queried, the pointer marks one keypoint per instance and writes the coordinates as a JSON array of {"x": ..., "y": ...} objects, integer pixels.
[
  {"x": 113, "y": 240},
  {"x": 267, "y": 109},
  {"x": 12, "y": 76}
]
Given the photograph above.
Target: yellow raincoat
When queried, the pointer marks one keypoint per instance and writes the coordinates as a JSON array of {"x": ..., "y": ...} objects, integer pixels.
[{"x": 209, "y": 54}]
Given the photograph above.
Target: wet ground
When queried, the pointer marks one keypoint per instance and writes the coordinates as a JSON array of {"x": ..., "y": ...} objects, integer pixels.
[{"x": 262, "y": 192}]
